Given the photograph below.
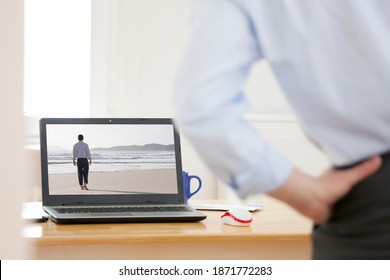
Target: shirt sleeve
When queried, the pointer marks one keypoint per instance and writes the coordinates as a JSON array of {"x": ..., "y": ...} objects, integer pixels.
[
  {"x": 88, "y": 152},
  {"x": 74, "y": 152},
  {"x": 210, "y": 105}
]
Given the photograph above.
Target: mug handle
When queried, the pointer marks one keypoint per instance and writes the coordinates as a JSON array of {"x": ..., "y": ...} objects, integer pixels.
[{"x": 190, "y": 177}]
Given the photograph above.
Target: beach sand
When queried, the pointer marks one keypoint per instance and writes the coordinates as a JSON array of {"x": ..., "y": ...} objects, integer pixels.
[{"x": 118, "y": 182}]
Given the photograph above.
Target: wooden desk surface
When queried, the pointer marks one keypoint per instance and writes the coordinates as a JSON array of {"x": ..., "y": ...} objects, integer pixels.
[{"x": 276, "y": 223}]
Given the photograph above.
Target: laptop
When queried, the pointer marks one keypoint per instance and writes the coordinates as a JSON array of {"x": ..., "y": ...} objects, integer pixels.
[{"x": 133, "y": 173}]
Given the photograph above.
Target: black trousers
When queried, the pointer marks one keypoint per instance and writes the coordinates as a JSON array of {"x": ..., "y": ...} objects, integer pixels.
[
  {"x": 359, "y": 227},
  {"x": 82, "y": 170}
]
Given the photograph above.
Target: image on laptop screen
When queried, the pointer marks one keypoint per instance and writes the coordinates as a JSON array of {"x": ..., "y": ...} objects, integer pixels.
[{"x": 125, "y": 159}]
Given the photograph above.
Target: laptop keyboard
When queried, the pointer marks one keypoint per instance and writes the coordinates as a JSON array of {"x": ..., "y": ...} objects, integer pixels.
[{"x": 123, "y": 209}]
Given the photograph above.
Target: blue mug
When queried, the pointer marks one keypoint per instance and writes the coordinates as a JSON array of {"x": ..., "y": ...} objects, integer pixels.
[{"x": 187, "y": 185}]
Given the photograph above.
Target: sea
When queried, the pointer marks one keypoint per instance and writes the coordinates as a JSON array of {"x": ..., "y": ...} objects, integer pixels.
[{"x": 110, "y": 161}]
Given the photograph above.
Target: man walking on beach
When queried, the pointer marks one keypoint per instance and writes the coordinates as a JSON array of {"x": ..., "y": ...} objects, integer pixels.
[{"x": 82, "y": 156}]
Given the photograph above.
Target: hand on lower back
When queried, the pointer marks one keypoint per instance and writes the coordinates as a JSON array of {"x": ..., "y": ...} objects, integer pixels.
[{"x": 314, "y": 197}]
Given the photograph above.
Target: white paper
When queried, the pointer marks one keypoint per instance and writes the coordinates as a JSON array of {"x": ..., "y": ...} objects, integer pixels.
[{"x": 226, "y": 207}]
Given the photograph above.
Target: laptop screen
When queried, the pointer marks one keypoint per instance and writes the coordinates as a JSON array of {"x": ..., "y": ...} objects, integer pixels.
[{"x": 110, "y": 158}]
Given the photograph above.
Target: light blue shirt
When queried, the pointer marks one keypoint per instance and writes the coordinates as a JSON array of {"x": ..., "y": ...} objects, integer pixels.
[
  {"x": 332, "y": 59},
  {"x": 81, "y": 150}
]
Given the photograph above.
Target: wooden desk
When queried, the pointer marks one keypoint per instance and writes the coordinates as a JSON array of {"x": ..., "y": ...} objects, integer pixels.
[{"x": 276, "y": 233}]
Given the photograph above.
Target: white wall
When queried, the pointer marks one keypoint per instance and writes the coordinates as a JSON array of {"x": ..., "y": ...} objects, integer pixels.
[
  {"x": 136, "y": 48},
  {"x": 12, "y": 164}
]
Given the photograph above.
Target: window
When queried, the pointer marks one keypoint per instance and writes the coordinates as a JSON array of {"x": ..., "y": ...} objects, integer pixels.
[{"x": 57, "y": 58}]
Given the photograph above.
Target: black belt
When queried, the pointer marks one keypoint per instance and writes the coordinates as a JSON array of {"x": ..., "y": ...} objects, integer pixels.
[{"x": 385, "y": 156}]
